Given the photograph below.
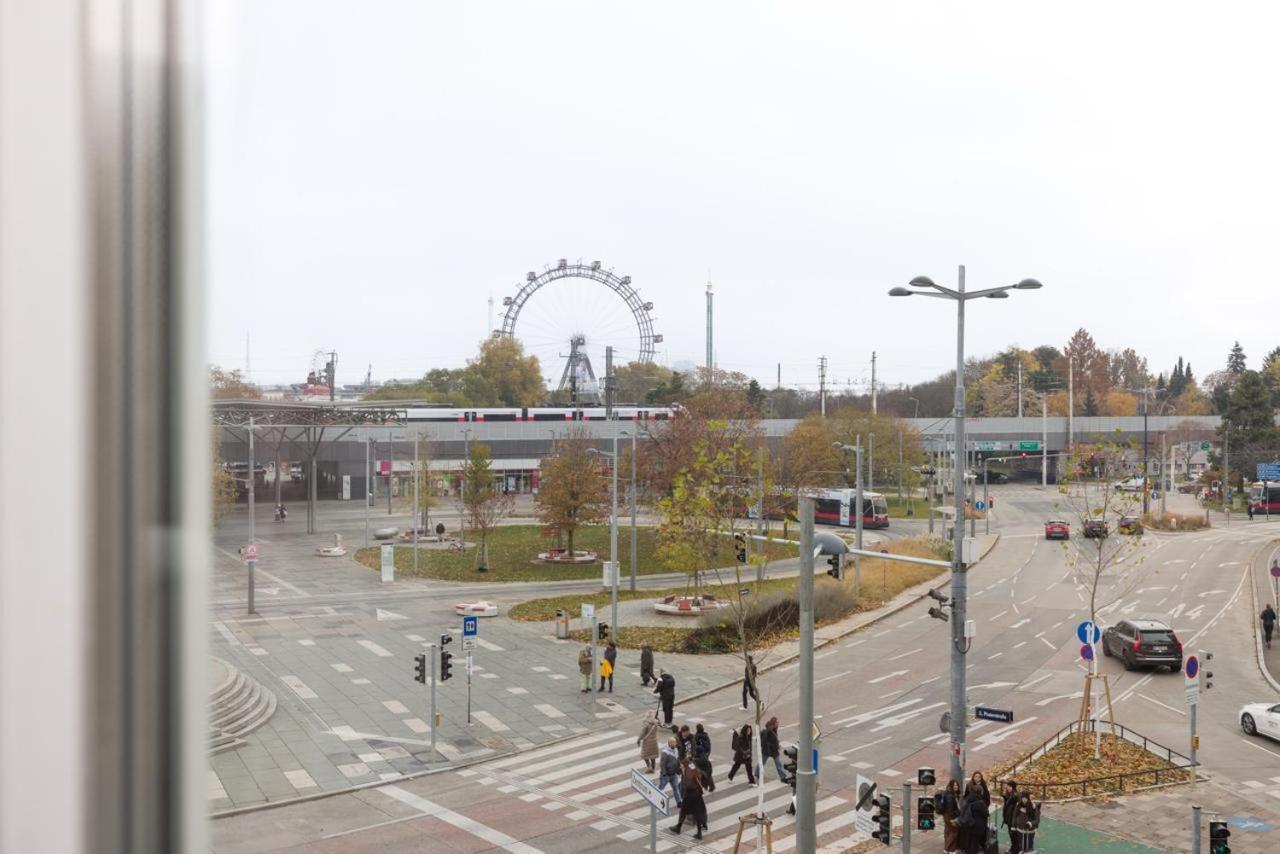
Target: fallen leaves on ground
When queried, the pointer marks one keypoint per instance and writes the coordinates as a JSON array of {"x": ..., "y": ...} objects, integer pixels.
[{"x": 1069, "y": 769}]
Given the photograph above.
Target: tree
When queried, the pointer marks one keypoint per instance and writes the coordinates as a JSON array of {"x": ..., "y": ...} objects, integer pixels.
[
  {"x": 1249, "y": 424},
  {"x": 1090, "y": 402},
  {"x": 483, "y": 504},
  {"x": 1118, "y": 402},
  {"x": 230, "y": 385},
  {"x": 1106, "y": 566},
  {"x": 636, "y": 380},
  {"x": 718, "y": 418},
  {"x": 755, "y": 394},
  {"x": 669, "y": 392},
  {"x": 572, "y": 491},
  {"x": 223, "y": 481},
  {"x": 503, "y": 374},
  {"x": 1191, "y": 401},
  {"x": 1235, "y": 360},
  {"x": 1092, "y": 368}
]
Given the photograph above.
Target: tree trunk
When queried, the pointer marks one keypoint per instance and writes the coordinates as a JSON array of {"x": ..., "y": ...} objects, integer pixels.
[{"x": 570, "y": 541}]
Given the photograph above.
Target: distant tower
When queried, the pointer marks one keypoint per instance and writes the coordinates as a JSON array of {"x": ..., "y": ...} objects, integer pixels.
[
  {"x": 710, "y": 351},
  {"x": 488, "y": 331}
]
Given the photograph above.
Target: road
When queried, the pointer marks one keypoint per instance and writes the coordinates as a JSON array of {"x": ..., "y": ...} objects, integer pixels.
[{"x": 879, "y": 694}]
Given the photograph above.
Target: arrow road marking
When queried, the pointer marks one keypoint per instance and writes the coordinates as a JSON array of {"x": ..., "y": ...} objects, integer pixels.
[
  {"x": 993, "y": 685},
  {"x": 888, "y": 676},
  {"x": 898, "y": 720},
  {"x": 1047, "y": 700},
  {"x": 1177, "y": 611},
  {"x": 996, "y": 737},
  {"x": 1036, "y": 681},
  {"x": 872, "y": 715},
  {"x": 1194, "y": 613}
]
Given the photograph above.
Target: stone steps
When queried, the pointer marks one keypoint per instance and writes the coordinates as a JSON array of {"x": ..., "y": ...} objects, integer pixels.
[{"x": 238, "y": 704}]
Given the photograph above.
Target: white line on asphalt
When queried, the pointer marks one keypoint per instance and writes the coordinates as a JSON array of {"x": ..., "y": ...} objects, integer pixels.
[
  {"x": 1025, "y": 685},
  {"x": 904, "y": 654},
  {"x": 930, "y": 679},
  {"x": 1259, "y": 746},
  {"x": 489, "y": 645},
  {"x": 395, "y": 707},
  {"x": 299, "y": 687},
  {"x": 278, "y": 580},
  {"x": 887, "y": 676},
  {"x": 829, "y": 678},
  {"x": 842, "y": 709},
  {"x": 1019, "y": 643},
  {"x": 374, "y": 648},
  {"x": 1158, "y": 703},
  {"x": 1021, "y": 623},
  {"x": 1047, "y": 700},
  {"x": 997, "y": 655},
  {"x": 1048, "y": 643},
  {"x": 340, "y": 667},
  {"x": 490, "y": 721},
  {"x": 469, "y": 825},
  {"x": 1001, "y": 614},
  {"x": 722, "y": 708}
]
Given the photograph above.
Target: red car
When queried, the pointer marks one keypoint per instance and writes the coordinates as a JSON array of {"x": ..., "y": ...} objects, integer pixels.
[{"x": 1056, "y": 529}]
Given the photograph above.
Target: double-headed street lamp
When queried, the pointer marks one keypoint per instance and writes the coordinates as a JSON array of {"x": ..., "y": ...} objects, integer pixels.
[{"x": 924, "y": 286}]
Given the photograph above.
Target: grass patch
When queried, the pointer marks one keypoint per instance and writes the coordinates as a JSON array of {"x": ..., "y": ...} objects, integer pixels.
[
  {"x": 1062, "y": 771},
  {"x": 513, "y": 552},
  {"x": 1175, "y": 522},
  {"x": 774, "y": 610}
]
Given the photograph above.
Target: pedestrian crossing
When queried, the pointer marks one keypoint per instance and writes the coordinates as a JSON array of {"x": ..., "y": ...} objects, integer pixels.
[
  {"x": 586, "y": 780},
  {"x": 1271, "y": 787}
]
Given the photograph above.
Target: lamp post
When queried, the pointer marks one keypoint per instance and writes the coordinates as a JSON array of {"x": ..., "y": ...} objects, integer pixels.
[
  {"x": 857, "y": 480},
  {"x": 613, "y": 528},
  {"x": 917, "y": 403},
  {"x": 924, "y": 286}
]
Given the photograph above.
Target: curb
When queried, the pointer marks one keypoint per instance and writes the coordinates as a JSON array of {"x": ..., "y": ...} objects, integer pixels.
[{"x": 1257, "y": 634}]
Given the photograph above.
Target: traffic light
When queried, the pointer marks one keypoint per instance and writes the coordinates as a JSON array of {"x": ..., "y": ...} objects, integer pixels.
[
  {"x": 925, "y": 814},
  {"x": 790, "y": 763},
  {"x": 1218, "y": 834},
  {"x": 740, "y": 547},
  {"x": 936, "y": 611},
  {"x": 446, "y": 658},
  {"x": 925, "y": 777},
  {"x": 420, "y": 668},
  {"x": 883, "y": 819},
  {"x": 602, "y": 631},
  {"x": 834, "y": 571},
  {"x": 1205, "y": 677}
]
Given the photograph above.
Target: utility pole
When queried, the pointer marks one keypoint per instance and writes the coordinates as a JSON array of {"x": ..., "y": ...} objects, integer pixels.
[
  {"x": 1044, "y": 442},
  {"x": 857, "y": 559},
  {"x": 806, "y": 774},
  {"x": 391, "y": 465},
  {"x": 613, "y": 540},
  {"x": 332, "y": 370},
  {"x": 760, "y": 514},
  {"x": 608, "y": 383},
  {"x": 900, "y": 466},
  {"x": 417, "y": 514},
  {"x": 1166, "y": 472},
  {"x": 1019, "y": 388},
  {"x": 634, "y": 498},
  {"x": 710, "y": 346},
  {"x": 1071, "y": 404},
  {"x": 959, "y": 578},
  {"x": 368, "y": 489},
  {"x": 1195, "y": 826},
  {"x": 1146, "y": 479},
  {"x": 779, "y": 385},
  {"x": 873, "y": 382},
  {"x": 252, "y": 529},
  {"x": 822, "y": 385},
  {"x": 871, "y": 465}
]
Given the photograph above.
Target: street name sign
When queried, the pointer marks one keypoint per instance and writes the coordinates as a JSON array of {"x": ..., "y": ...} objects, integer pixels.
[
  {"x": 986, "y": 713},
  {"x": 651, "y": 793},
  {"x": 1029, "y": 446}
]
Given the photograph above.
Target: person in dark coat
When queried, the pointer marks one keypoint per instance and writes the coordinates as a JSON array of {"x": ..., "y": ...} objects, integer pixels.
[
  {"x": 1009, "y": 797},
  {"x": 749, "y": 682},
  {"x": 974, "y": 816},
  {"x": 949, "y": 809},
  {"x": 702, "y": 757},
  {"x": 771, "y": 746},
  {"x": 1026, "y": 818},
  {"x": 666, "y": 692},
  {"x": 1268, "y": 617},
  {"x": 611, "y": 656},
  {"x": 692, "y": 805},
  {"x": 979, "y": 782},
  {"x": 646, "y": 665},
  {"x": 742, "y": 754}
]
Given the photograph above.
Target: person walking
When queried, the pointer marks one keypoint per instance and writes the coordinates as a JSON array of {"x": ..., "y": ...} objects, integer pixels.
[
  {"x": 949, "y": 808},
  {"x": 609, "y": 665},
  {"x": 702, "y": 757},
  {"x": 646, "y": 665},
  {"x": 1026, "y": 818},
  {"x": 648, "y": 742},
  {"x": 669, "y": 769},
  {"x": 666, "y": 692},
  {"x": 692, "y": 804},
  {"x": 974, "y": 815},
  {"x": 742, "y": 754},
  {"x": 686, "y": 743},
  {"x": 1268, "y": 617},
  {"x": 1009, "y": 803},
  {"x": 681, "y": 746},
  {"x": 749, "y": 682},
  {"x": 771, "y": 747},
  {"x": 584, "y": 668}
]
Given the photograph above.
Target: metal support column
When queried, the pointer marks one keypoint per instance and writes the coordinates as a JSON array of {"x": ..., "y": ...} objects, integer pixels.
[{"x": 806, "y": 774}]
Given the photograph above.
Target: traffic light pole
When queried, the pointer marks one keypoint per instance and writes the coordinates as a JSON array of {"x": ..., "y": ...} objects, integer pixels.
[
  {"x": 595, "y": 666},
  {"x": 432, "y": 654},
  {"x": 1195, "y": 829},
  {"x": 906, "y": 818},
  {"x": 806, "y": 774}
]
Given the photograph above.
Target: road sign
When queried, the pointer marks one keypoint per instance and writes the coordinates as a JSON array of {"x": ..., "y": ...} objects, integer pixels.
[
  {"x": 1275, "y": 570},
  {"x": 1204, "y": 445},
  {"x": 817, "y": 733},
  {"x": 388, "y": 563},
  {"x": 987, "y": 446},
  {"x": 862, "y": 808},
  {"x": 1086, "y": 652},
  {"x": 1192, "y": 667},
  {"x": 470, "y": 626},
  {"x": 651, "y": 793},
  {"x": 1029, "y": 446},
  {"x": 588, "y": 611},
  {"x": 468, "y": 643},
  {"x": 981, "y": 505},
  {"x": 251, "y": 552},
  {"x": 1268, "y": 471},
  {"x": 986, "y": 713},
  {"x": 1083, "y": 631}
]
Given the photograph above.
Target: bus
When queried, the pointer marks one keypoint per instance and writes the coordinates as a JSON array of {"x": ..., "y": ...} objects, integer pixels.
[
  {"x": 1264, "y": 497},
  {"x": 832, "y": 507}
]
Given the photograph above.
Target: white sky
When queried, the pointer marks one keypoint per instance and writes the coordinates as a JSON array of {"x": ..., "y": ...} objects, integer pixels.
[{"x": 378, "y": 169}]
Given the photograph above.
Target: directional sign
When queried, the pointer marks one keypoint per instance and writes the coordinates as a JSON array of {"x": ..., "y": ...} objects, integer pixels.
[
  {"x": 651, "y": 793},
  {"x": 1268, "y": 471},
  {"x": 1083, "y": 632},
  {"x": 1204, "y": 445},
  {"x": 1029, "y": 446},
  {"x": 817, "y": 733},
  {"x": 981, "y": 505},
  {"x": 1086, "y": 652},
  {"x": 470, "y": 626},
  {"x": 985, "y": 713},
  {"x": 251, "y": 552},
  {"x": 588, "y": 611}
]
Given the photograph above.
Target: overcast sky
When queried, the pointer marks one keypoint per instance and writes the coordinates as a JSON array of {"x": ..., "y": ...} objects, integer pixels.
[{"x": 378, "y": 169}]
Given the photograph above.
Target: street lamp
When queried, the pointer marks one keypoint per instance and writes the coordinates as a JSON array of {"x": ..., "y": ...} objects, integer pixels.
[
  {"x": 857, "y": 480},
  {"x": 917, "y": 403},
  {"x": 613, "y": 527},
  {"x": 959, "y": 582}
]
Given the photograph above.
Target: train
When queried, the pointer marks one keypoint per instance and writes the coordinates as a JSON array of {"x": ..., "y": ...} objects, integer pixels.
[{"x": 538, "y": 413}]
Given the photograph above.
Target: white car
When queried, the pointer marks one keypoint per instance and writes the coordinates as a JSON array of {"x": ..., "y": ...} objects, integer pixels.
[
  {"x": 1133, "y": 484},
  {"x": 1261, "y": 718}
]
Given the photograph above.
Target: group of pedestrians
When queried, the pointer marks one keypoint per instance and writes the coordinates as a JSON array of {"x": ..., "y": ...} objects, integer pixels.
[
  {"x": 966, "y": 817},
  {"x": 607, "y": 666}
]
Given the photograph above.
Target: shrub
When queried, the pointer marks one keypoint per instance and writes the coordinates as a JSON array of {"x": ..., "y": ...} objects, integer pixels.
[{"x": 1176, "y": 522}]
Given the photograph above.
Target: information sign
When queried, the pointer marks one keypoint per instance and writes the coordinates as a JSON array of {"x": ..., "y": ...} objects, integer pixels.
[
  {"x": 986, "y": 713},
  {"x": 651, "y": 793}
]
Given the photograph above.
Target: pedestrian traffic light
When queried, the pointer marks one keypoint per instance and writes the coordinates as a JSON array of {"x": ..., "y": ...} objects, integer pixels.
[
  {"x": 925, "y": 819},
  {"x": 1205, "y": 677},
  {"x": 883, "y": 819},
  {"x": 1218, "y": 834},
  {"x": 602, "y": 631},
  {"x": 420, "y": 668},
  {"x": 446, "y": 659},
  {"x": 834, "y": 571},
  {"x": 925, "y": 777},
  {"x": 740, "y": 546}
]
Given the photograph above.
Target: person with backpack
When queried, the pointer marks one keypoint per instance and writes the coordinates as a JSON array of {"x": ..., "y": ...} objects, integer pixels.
[
  {"x": 1009, "y": 803},
  {"x": 691, "y": 805},
  {"x": 666, "y": 692},
  {"x": 1268, "y": 617},
  {"x": 947, "y": 804},
  {"x": 742, "y": 754},
  {"x": 669, "y": 769},
  {"x": 702, "y": 757},
  {"x": 973, "y": 819}
]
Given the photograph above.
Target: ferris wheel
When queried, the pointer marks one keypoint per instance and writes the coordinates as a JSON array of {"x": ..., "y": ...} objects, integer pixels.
[{"x": 581, "y": 309}]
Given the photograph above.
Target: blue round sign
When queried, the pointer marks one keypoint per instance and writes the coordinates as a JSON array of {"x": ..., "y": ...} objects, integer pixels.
[
  {"x": 1192, "y": 666},
  {"x": 1086, "y": 652},
  {"x": 1082, "y": 632},
  {"x": 981, "y": 505}
]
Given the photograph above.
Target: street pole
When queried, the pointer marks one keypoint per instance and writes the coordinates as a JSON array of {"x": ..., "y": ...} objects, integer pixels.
[
  {"x": 806, "y": 774},
  {"x": 416, "y": 517},
  {"x": 634, "y": 498},
  {"x": 1191, "y": 719},
  {"x": 760, "y": 544},
  {"x": 613, "y": 541},
  {"x": 1044, "y": 442},
  {"x": 368, "y": 489},
  {"x": 857, "y": 559},
  {"x": 871, "y": 464},
  {"x": 391, "y": 465},
  {"x": 1166, "y": 473},
  {"x": 252, "y": 529},
  {"x": 986, "y": 500},
  {"x": 431, "y": 651},
  {"x": 1195, "y": 829},
  {"x": 959, "y": 581},
  {"x": 595, "y": 667},
  {"x": 1071, "y": 403},
  {"x": 906, "y": 818},
  {"x": 1146, "y": 478}
]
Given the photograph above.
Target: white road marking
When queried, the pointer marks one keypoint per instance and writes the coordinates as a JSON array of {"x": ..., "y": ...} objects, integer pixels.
[
  {"x": 489, "y": 645},
  {"x": 903, "y": 654},
  {"x": 829, "y": 678},
  {"x": 887, "y": 676},
  {"x": 416, "y": 638},
  {"x": 1001, "y": 614},
  {"x": 226, "y": 633},
  {"x": 340, "y": 667},
  {"x": 1163, "y": 705},
  {"x": 517, "y": 690},
  {"x": 395, "y": 707},
  {"x": 1020, "y": 643},
  {"x": 997, "y": 655},
  {"x": 1213, "y": 592},
  {"x": 307, "y": 642},
  {"x": 1048, "y": 643},
  {"x": 1025, "y": 685},
  {"x": 996, "y": 737},
  {"x": 872, "y": 715},
  {"x": 1047, "y": 700},
  {"x": 374, "y": 648},
  {"x": 462, "y": 822},
  {"x": 549, "y": 710},
  {"x": 417, "y": 725}
]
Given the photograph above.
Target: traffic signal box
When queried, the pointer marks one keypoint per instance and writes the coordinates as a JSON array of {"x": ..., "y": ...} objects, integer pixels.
[
  {"x": 602, "y": 631},
  {"x": 420, "y": 668},
  {"x": 925, "y": 813},
  {"x": 834, "y": 571},
  {"x": 446, "y": 658},
  {"x": 1218, "y": 833},
  {"x": 883, "y": 819},
  {"x": 740, "y": 547}
]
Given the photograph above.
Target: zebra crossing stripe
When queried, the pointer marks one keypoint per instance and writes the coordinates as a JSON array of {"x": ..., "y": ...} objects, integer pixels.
[{"x": 552, "y": 749}]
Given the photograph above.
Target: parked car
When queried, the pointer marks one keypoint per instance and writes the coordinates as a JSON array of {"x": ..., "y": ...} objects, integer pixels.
[
  {"x": 1096, "y": 528},
  {"x": 1056, "y": 529},
  {"x": 1143, "y": 643},
  {"x": 1189, "y": 488},
  {"x": 1132, "y": 484},
  {"x": 1261, "y": 719},
  {"x": 997, "y": 477},
  {"x": 1129, "y": 525}
]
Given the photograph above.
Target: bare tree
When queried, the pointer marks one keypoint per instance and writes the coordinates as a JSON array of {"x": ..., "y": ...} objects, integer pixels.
[{"x": 484, "y": 505}]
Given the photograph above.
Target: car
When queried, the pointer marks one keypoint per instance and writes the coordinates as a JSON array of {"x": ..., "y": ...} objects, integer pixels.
[
  {"x": 1096, "y": 528},
  {"x": 1143, "y": 643},
  {"x": 1129, "y": 525},
  {"x": 1056, "y": 529},
  {"x": 1189, "y": 488},
  {"x": 997, "y": 477},
  {"x": 1261, "y": 719},
  {"x": 1133, "y": 484}
]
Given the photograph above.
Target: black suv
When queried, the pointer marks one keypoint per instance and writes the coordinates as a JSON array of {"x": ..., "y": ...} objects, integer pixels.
[{"x": 1143, "y": 643}]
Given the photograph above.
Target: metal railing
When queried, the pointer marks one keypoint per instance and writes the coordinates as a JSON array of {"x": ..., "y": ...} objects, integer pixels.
[{"x": 1180, "y": 770}]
